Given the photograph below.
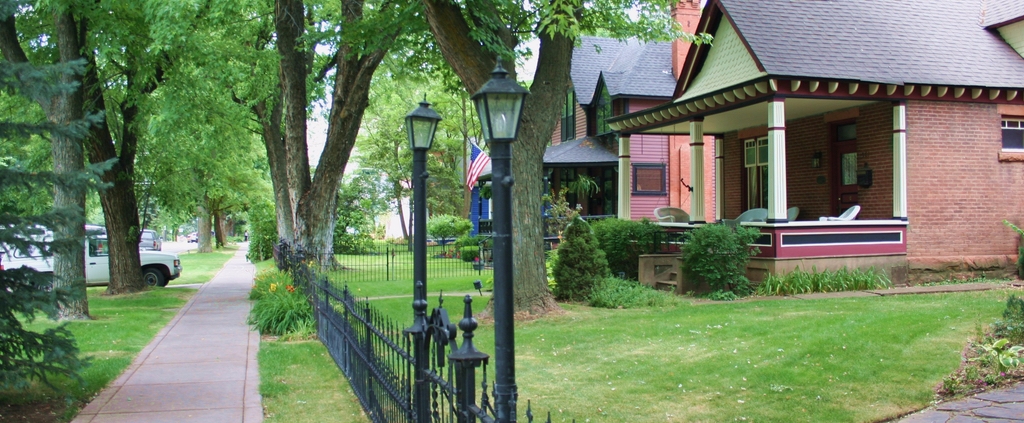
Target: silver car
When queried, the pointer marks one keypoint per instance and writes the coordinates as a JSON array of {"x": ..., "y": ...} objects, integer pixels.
[{"x": 150, "y": 241}]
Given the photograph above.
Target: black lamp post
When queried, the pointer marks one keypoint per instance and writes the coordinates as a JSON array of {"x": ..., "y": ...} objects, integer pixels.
[
  {"x": 420, "y": 125},
  {"x": 499, "y": 104}
]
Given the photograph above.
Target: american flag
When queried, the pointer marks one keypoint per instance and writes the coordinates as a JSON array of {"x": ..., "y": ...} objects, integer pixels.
[{"x": 478, "y": 160}]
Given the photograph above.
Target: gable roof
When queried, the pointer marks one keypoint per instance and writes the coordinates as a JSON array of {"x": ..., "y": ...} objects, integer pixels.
[
  {"x": 882, "y": 41},
  {"x": 998, "y": 13},
  {"x": 630, "y": 68},
  {"x": 581, "y": 151}
]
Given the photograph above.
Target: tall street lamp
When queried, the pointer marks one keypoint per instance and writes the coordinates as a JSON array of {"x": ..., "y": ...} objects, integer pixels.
[
  {"x": 499, "y": 104},
  {"x": 420, "y": 125}
]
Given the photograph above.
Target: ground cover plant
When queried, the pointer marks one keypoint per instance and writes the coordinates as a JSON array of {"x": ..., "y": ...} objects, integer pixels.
[
  {"x": 991, "y": 358},
  {"x": 624, "y": 293},
  {"x": 121, "y": 326},
  {"x": 802, "y": 282},
  {"x": 201, "y": 267}
]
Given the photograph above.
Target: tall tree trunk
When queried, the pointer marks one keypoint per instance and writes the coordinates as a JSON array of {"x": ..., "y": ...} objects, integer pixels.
[
  {"x": 69, "y": 266},
  {"x": 204, "y": 244},
  {"x": 120, "y": 206},
  {"x": 273, "y": 140},
  {"x": 69, "y": 159},
  {"x": 473, "y": 64},
  {"x": 218, "y": 228},
  {"x": 289, "y": 23}
]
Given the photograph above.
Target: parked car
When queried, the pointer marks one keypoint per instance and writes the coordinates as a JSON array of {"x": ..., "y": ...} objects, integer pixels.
[
  {"x": 193, "y": 237},
  {"x": 150, "y": 241},
  {"x": 157, "y": 268}
]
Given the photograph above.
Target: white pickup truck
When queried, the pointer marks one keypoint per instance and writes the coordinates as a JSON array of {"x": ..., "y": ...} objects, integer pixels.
[{"x": 157, "y": 268}]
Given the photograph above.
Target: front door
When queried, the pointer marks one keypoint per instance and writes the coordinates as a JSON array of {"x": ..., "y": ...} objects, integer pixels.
[{"x": 844, "y": 168}]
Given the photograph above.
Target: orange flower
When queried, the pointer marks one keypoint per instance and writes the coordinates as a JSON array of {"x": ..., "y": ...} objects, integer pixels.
[{"x": 290, "y": 288}]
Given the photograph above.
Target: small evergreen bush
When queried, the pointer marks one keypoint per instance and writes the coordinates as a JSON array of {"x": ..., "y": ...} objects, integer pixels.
[
  {"x": 718, "y": 255},
  {"x": 1011, "y": 326},
  {"x": 581, "y": 264},
  {"x": 623, "y": 241},
  {"x": 621, "y": 293}
]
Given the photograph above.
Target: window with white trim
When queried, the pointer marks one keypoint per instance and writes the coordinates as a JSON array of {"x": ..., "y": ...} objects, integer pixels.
[
  {"x": 755, "y": 163},
  {"x": 1013, "y": 134}
]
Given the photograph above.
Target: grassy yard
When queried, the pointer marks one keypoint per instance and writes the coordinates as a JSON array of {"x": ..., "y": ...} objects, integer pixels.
[
  {"x": 200, "y": 268},
  {"x": 299, "y": 382},
  {"x": 122, "y": 326},
  {"x": 851, "y": 359}
]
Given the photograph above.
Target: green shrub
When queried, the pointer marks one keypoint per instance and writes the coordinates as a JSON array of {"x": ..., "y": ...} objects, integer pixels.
[
  {"x": 352, "y": 243},
  {"x": 280, "y": 308},
  {"x": 1011, "y": 326},
  {"x": 581, "y": 264},
  {"x": 469, "y": 253},
  {"x": 466, "y": 240},
  {"x": 621, "y": 293},
  {"x": 263, "y": 233},
  {"x": 549, "y": 266},
  {"x": 623, "y": 241},
  {"x": 801, "y": 282},
  {"x": 445, "y": 226},
  {"x": 718, "y": 255}
]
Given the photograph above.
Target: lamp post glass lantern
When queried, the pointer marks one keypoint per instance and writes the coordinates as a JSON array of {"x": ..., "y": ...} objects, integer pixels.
[
  {"x": 499, "y": 104},
  {"x": 420, "y": 125}
]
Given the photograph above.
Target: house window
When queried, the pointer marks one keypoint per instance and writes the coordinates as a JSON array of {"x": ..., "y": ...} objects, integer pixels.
[
  {"x": 603, "y": 112},
  {"x": 755, "y": 163},
  {"x": 649, "y": 178},
  {"x": 1013, "y": 134},
  {"x": 569, "y": 116}
]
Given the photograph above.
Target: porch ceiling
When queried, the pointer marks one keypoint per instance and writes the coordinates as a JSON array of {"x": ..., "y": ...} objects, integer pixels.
[{"x": 756, "y": 114}]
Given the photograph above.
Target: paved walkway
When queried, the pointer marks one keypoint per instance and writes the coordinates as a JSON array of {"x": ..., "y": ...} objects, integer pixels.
[
  {"x": 200, "y": 368},
  {"x": 1002, "y": 405}
]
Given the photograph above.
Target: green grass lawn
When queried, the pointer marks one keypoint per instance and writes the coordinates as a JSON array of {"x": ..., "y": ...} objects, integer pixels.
[
  {"x": 201, "y": 267},
  {"x": 299, "y": 382},
  {"x": 850, "y": 359},
  {"x": 122, "y": 326}
]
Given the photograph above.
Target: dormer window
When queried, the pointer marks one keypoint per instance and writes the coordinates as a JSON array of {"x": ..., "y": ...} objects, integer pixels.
[{"x": 603, "y": 112}]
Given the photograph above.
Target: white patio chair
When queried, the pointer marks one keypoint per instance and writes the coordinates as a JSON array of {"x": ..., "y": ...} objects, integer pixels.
[
  {"x": 752, "y": 215},
  {"x": 849, "y": 214},
  {"x": 792, "y": 213},
  {"x": 671, "y": 214}
]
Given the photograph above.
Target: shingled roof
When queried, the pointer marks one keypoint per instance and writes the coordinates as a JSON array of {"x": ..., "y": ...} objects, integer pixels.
[
  {"x": 579, "y": 152},
  {"x": 630, "y": 68},
  {"x": 998, "y": 13},
  {"x": 882, "y": 41}
]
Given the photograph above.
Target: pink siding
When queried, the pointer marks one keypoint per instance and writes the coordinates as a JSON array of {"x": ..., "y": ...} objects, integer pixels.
[
  {"x": 636, "y": 105},
  {"x": 647, "y": 149}
]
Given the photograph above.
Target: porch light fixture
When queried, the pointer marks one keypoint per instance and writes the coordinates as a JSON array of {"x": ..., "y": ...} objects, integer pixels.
[
  {"x": 499, "y": 104},
  {"x": 816, "y": 160}
]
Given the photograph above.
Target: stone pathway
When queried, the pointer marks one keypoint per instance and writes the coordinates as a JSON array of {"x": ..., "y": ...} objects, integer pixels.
[
  {"x": 200, "y": 368},
  {"x": 1002, "y": 405}
]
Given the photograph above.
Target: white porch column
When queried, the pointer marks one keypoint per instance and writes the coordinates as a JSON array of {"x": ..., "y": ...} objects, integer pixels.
[
  {"x": 719, "y": 198},
  {"x": 625, "y": 171},
  {"x": 899, "y": 161},
  {"x": 697, "y": 170},
  {"x": 777, "y": 160}
]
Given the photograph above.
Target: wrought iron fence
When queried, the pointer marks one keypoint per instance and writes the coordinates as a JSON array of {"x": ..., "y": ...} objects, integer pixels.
[
  {"x": 379, "y": 357},
  {"x": 387, "y": 262}
]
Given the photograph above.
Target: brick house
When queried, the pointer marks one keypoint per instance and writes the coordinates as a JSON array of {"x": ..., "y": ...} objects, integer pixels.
[
  {"x": 609, "y": 78},
  {"x": 912, "y": 110}
]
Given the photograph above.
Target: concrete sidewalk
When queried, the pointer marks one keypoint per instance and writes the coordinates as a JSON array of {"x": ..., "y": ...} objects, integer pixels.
[{"x": 200, "y": 368}]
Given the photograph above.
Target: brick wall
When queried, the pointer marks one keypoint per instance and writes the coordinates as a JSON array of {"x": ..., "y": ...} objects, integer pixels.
[{"x": 958, "y": 191}]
